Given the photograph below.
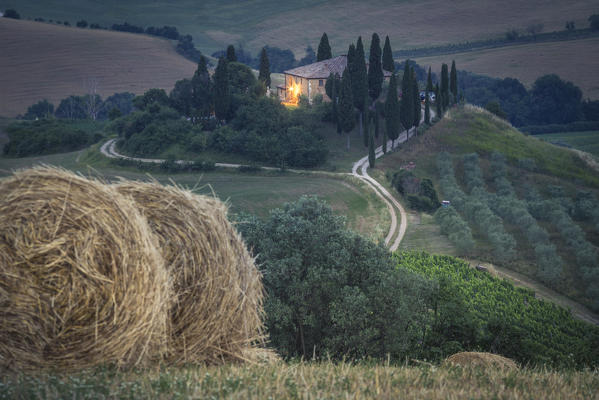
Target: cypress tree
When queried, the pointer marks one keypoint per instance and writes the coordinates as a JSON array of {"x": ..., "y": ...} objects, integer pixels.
[
  {"x": 375, "y": 69},
  {"x": 416, "y": 97},
  {"x": 444, "y": 87},
  {"x": 453, "y": 82},
  {"x": 366, "y": 129},
  {"x": 359, "y": 83},
  {"x": 427, "y": 102},
  {"x": 231, "y": 56},
  {"x": 392, "y": 112},
  {"x": 201, "y": 89},
  {"x": 388, "y": 64},
  {"x": 221, "y": 90},
  {"x": 438, "y": 102},
  {"x": 371, "y": 154},
  {"x": 264, "y": 74},
  {"x": 407, "y": 102},
  {"x": 385, "y": 139},
  {"x": 376, "y": 122},
  {"x": 324, "y": 49},
  {"x": 345, "y": 113}
]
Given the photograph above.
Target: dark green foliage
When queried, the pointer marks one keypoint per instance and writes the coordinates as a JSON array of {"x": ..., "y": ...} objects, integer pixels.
[
  {"x": 420, "y": 193},
  {"x": 416, "y": 99},
  {"x": 82, "y": 24},
  {"x": 329, "y": 291},
  {"x": 593, "y": 21},
  {"x": 508, "y": 320},
  {"x": 377, "y": 119},
  {"x": 264, "y": 72},
  {"x": 11, "y": 13},
  {"x": 241, "y": 78},
  {"x": 346, "y": 117},
  {"x": 123, "y": 102},
  {"x": 371, "y": 152},
  {"x": 280, "y": 60},
  {"x": 41, "y": 109},
  {"x": 590, "y": 110},
  {"x": 359, "y": 78},
  {"x": 438, "y": 101},
  {"x": 385, "y": 140},
  {"x": 201, "y": 87},
  {"x": 114, "y": 114},
  {"x": 186, "y": 48},
  {"x": 375, "y": 69},
  {"x": 388, "y": 63},
  {"x": 407, "y": 99},
  {"x": 72, "y": 107},
  {"x": 231, "y": 57},
  {"x": 181, "y": 97},
  {"x": 366, "y": 135},
  {"x": 453, "y": 83},
  {"x": 48, "y": 136},
  {"x": 427, "y": 99},
  {"x": 152, "y": 97},
  {"x": 392, "y": 110},
  {"x": 555, "y": 101},
  {"x": 309, "y": 58},
  {"x": 445, "y": 86},
  {"x": 221, "y": 91},
  {"x": 324, "y": 48},
  {"x": 495, "y": 108}
]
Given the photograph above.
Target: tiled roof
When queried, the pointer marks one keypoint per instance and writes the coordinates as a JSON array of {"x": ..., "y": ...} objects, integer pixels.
[{"x": 322, "y": 69}]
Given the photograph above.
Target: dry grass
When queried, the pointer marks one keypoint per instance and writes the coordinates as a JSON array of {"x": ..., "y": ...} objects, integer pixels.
[
  {"x": 81, "y": 281},
  {"x": 483, "y": 360},
  {"x": 48, "y": 61},
  {"x": 216, "y": 310},
  {"x": 304, "y": 380},
  {"x": 571, "y": 60},
  {"x": 411, "y": 23}
]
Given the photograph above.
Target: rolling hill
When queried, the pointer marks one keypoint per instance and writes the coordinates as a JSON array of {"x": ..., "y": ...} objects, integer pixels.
[
  {"x": 546, "y": 180},
  {"x": 215, "y": 23},
  {"x": 41, "y": 60}
]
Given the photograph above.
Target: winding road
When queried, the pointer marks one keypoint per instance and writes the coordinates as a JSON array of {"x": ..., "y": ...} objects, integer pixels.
[{"x": 359, "y": 170}]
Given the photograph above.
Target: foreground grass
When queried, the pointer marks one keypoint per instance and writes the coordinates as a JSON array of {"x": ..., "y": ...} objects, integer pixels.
[{"x": 307, "y": 380}]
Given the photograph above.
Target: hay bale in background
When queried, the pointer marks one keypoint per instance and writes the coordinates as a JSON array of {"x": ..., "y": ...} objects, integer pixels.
[
  {"x": 81, "y": 280},
  {"x": 216, "y": 312},
  {"x": 485, "y": 360}
]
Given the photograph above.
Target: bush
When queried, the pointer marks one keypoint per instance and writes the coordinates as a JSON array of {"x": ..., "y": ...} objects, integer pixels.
[
  {"x": 41, "y": 109},
  {"x": 332, "y": 292},
  {"x": 48, "y": 136},
  {"x": 11, "y": 13}
]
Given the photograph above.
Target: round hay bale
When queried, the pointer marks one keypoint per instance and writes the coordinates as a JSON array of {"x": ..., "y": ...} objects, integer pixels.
[
  {"x": 81, "y": 280},
  {"x": 477, "y": 359},
  {"x": 216, "y": 312}
]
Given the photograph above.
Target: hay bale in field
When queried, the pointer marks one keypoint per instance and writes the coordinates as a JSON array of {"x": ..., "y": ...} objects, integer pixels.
[
  {"x": 81, "y": 280},
  {"x": 477, "y": 359},
  {"x": 216, "y": 312}
]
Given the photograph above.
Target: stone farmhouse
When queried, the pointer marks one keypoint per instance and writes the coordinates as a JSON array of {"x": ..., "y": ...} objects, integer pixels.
[{"x": 310, "y": 80}]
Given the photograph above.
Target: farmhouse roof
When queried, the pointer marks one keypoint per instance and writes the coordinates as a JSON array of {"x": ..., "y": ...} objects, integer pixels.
[{"x": 322, "y": 69}]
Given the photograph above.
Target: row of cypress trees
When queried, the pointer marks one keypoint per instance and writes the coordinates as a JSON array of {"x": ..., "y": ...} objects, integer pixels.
[{"x": 360, "y": 87}]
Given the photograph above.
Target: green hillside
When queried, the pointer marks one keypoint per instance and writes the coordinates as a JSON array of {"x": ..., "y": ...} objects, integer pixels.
[{"x": 528, "y": 205}]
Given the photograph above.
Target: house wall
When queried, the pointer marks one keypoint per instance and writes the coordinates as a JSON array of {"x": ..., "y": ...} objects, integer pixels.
[{"x": 307, "y": 86}]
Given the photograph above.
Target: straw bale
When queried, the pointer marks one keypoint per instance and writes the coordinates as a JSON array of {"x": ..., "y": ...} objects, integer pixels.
[
  {"x": 81, "y": 280},
  {"x": 479, "y": 359},
  {"x": 216, "y": 310}
]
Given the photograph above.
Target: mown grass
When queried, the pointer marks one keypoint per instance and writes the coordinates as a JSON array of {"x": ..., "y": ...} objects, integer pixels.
[
  {"x": 587, "y": 141},
  {"x": 42, "y": 60},
  {"x": 569, "y": 59},
  {"x": 253, "y": 192},
  {"x": 307, "y": 380},
  {"x": 294, "y": 25}
]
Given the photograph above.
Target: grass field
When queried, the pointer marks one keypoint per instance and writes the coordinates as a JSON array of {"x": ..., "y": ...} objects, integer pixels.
[
  {"x": 586, "y": 141},
  {"x": 42, "y": 60},
  {"x": 256, "y": 193},
  {"x": 308, "y": 380},
  {"x": 294, "y": 25},
  {"x": 571, "y": 60}
]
